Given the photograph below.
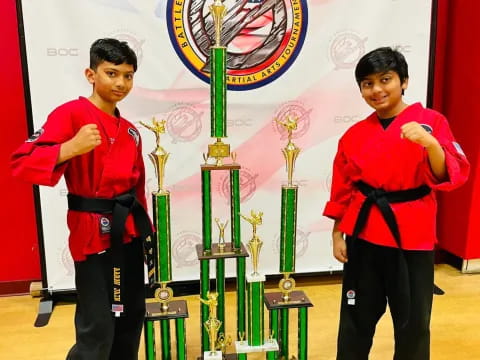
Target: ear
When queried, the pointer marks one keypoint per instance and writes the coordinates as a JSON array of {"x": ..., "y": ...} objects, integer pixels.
[
  {"x": 405, "y": 84},
  {"x": 90, "y": 75}
]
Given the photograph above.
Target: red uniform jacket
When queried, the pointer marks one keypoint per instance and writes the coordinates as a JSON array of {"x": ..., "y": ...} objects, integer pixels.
[
  {"x": 382, "y": 159},
  {"x": 110, "y": 169}
]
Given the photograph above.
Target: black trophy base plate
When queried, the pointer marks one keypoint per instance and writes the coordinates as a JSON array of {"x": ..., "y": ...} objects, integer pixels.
[
  {"x": 216, "y": 253},
  {"x": 298, "y": 299},
  {"x": 176, "y": 309}
]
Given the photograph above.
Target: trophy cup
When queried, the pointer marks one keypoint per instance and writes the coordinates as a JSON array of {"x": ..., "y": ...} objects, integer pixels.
[
  {"x": 163, "y": 309},
  {"x": 256, "y": 341},
  {"x": 279, "y": 304},
  {"x": 218, "y": 151}
]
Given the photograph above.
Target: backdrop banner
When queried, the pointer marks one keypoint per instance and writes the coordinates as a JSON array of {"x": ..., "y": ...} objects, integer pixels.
[{"x": 285, "y": 57}]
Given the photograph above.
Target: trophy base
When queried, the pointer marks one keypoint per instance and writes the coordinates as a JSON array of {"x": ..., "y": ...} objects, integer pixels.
[
  {"x": 298, "y": 299},
  {"x": 212, "y": 355},
  {"x": 176, "y": 309},
  {"x": 225, "y": 357},
  {"x": 242, "y": 347},
  {"x": 255, "y": 278},
  {"x": 216, "y": 253},
  {"x": 208, "y": 167}
]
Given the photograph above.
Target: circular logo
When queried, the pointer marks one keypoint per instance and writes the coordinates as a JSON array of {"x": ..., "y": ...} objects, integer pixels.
[
  {"x": 67, "y": 261},
  {"x": 133, "y": 42},
  {"x": 183, "y": 250},
  {"x": 346, "y": 49},
  {"x": 36, "y": 135},
  {"x": 248, "y": 186},
  {"x": 184, "y": 123},
  {"x": 263, "y": 38},
  {"x": 296, "y": 110},
  {"x": 301, "y": 243},
  {"x": 350, "y": 294}
]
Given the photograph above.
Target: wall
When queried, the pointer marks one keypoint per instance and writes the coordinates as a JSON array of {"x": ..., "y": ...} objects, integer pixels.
[{"x": 19, "y": 257}]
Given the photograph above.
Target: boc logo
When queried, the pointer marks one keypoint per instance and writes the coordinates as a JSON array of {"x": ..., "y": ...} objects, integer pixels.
[{"x": 262, "y": 37}]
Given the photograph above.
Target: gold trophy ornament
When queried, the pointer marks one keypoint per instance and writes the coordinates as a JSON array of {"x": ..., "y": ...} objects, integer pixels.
[
  {"x": 255, "y": 244},
  {"x": 158, "y": 156},
  {"x": 218, "y": 11},
  {"x": 212, "y": 326},
  {"x": 221, "y": 235},
  {"x": 291, "y": 151}
]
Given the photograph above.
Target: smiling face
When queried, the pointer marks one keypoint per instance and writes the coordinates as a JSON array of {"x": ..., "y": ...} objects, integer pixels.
[
  {"x": 111, "y": 83},
  {"x": 383, "y": 92}
]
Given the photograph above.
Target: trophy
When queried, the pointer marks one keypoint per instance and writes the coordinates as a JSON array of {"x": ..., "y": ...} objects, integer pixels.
[
  {"x": 164, "y": 309},
  {"x": 279, "y": 303},
  {"x": 221, "y": 251},
  {"x": 212, "y": 325},
  {"x": 256, "y": 341}
]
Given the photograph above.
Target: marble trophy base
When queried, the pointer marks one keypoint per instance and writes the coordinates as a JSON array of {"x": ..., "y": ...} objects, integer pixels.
[
  {"x": 212, "y": 355},
  {"x": 242, "y": 347}
]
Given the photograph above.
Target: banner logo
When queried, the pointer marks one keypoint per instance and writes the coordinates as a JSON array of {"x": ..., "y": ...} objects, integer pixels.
[{"x": 263, "y": 38}]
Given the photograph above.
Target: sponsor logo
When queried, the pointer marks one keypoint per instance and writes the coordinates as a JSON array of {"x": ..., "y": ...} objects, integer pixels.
[
  {"x": 134, "y": 134},
  {"x": 301, "y": 243},
  {"x": 427, "y": 128},
  {"x": 346, "y": 49},
  {"x": 263, "y": 38},
  {"x": 184, "y": 123},
  {"x": 296, "y": 110},
  {"x": 183, "y": 249}
]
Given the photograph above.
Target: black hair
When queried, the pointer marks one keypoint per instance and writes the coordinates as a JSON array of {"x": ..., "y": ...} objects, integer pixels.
[
  {"x": 112, "y": 50},
  {"x": 380, "y": 60}
]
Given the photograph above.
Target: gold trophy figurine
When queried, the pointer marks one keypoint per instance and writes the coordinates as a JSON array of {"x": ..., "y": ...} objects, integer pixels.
[
  {"x": 221, "y": 235},
  {"x": 212, "y": 324},
  {"x": 158, "y": 156},
  {"x": 218, "y": 11},
  {"x": 255, "y": 244},
  {"x": 291, "y": 151}
]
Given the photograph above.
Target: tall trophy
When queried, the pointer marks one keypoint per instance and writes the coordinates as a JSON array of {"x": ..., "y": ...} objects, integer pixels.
[
  {"x": 163, "y": 309},
  {"x": 256, "y": 340},
  {"x": 280, "y": 303},
  {"x": 219, "y": 158}
]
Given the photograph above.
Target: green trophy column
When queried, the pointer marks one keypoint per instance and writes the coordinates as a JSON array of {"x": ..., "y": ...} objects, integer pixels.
[
  {"x": 207, "y": 246},
  {"x": 283, "y": 336},
  {"x": 235, "y": 207},
  {"x": 165, "y": 334},
  {"x": 149, "y": 336},
  {"x": 302, "y": 333},
  {"x": 218, "y": 92},
  {"x": 220, "y": 275},
  {"x": 272, "y": 355},
  {"x": 255, "y": 293},
  {"x": 161, "y": 214},
  {"x": 288, "y": 229},
  {"x": 181, "y": 339}
]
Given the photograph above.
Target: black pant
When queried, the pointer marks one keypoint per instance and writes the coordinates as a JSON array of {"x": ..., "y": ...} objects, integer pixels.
[
  {"x": 376, "y": 275},
  {"x": 100, "y": 335}
]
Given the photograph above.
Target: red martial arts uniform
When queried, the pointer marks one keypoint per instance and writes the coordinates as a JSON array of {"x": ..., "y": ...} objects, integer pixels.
[
  {"x": 107, "y": 172},
  {"x": 112, "y": 168},
  {"x": 383, "y": 193},
  {"x": 382, "y": 159}
]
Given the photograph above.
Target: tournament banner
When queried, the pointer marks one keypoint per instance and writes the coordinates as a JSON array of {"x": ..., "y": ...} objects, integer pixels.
[{"x": 284, "y": 58}]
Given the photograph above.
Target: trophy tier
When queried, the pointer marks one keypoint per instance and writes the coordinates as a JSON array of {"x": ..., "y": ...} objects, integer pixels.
[
  {"x": 215, "y": 253},
  {"x": 176, "y": 309},
  {"x": 208, "y": 167},
  {"x": 298, "y": 299}
]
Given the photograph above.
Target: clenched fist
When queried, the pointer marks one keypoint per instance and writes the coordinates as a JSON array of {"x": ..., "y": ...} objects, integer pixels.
[
  {"x": 414, "y": 132},
  {"x": 85, "y": 140}
]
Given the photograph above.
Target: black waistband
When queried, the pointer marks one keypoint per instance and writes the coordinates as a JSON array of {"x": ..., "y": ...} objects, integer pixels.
[
  {"x": 383, "y": 199},
  {"x": 120, "y": 207}
]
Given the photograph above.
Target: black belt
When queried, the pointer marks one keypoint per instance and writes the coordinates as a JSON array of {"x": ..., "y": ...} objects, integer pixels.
[
  {"x": 382, "y": 199},
  {"x": 120, "y": 207}
]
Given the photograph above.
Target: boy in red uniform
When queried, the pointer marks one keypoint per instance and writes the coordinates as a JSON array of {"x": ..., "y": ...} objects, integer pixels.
[
  {"x": 100, "y": 155},
  {"x": 385, "y": 174}
]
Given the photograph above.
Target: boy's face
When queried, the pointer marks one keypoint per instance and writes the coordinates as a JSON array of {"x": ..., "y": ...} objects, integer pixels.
[
  {"x": 111, "y": 82},
  {"x": 383, "y": 92}
]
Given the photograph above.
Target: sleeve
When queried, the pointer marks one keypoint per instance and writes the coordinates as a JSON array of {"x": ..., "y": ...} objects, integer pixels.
[
  {"x": 342, "y": 187},
  {"x": 35, "y": 160},
  {"x": 456, "y": 162}
]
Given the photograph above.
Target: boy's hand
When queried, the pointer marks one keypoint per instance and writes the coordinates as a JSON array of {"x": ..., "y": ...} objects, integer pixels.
[
  {"x": 339, "y": 247},
  {"x": 85, "y": 140},
  {"x": 414, "y": 132}
]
